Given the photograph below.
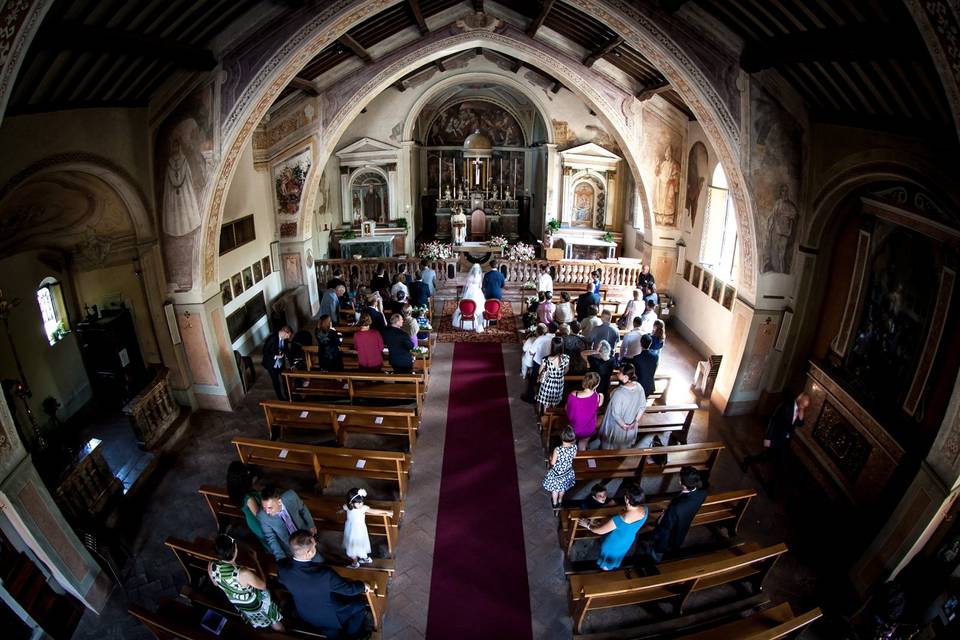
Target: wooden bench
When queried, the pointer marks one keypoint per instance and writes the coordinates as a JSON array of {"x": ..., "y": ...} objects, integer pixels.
[
  {"x": 661, "y": 385},
  {"x": 674, "y": 584},
  {"x": 554, "y": 420},
  {"x": 399, "y": 388},
  {"x": 327, "y": 462},
  {"x": 340, "y": 419},
  {"x": 770, "y": 624},
  {"x": 719, "y": 508},
  {"x": 629, "y": 463},
  {"x": 174, "y": 619},
  {"x": 198, "y": 598},
  {"x": 327, "y": 512},
  {"x": 421, "y": 362}
]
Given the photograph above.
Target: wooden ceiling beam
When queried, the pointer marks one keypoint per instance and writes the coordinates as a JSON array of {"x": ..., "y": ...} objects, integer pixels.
[
  {"x": 557, "y": 85},
  {"x": 355, "y": 47},
  {"x": 417, "y": 12},
  {"x": 304, "y": 85},
  {"x": 81, "y": 37},
  {"x": 602, "y": 51},
  {"x": 852, "y": 42},
  {"x": 537, "y": 22},
  {"x": 653, "y": 89},
  {"x": 672, "y": 6}
]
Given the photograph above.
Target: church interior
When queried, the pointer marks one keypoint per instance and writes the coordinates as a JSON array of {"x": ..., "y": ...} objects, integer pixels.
[{"x": 726, "y": 228}]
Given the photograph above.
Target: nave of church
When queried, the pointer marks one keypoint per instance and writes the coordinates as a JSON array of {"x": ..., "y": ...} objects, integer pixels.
[{"x": 462, "y": 318}]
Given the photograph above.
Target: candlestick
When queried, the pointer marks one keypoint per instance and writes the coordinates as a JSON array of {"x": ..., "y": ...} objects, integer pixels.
[
  {"x": 454, "y": 171},
  {"x": 440, "y": 174}
]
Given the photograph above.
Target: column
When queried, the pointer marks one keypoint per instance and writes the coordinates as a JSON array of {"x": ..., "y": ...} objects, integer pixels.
[
  {"x": 566, "y": 197},
  {"x": 393, "y": 191},
  {"x": 552, "y": 202},
  {"x": 611, "y": 216},
  {"x": 345, "y": 203}
]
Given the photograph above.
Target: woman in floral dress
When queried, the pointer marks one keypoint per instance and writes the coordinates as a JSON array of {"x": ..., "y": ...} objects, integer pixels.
[{"x": 245, "y": 590}]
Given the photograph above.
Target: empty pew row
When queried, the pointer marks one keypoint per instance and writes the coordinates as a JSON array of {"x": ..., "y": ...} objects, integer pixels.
[
  {"x": 554, "y": 420},
  {"x": 675, "y": 583},
  {"x": 400, "y": 388},
  {"x": 718, "y": 509},
  {"x": 340, "y": 420},
  {"x": 648, "y": 462},
  {"x": 325, "y": 463},
  {"x": 327, "y": 512}
]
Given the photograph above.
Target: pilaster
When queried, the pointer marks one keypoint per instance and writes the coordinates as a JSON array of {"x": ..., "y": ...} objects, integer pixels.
[{"x": 209, "y": 355}]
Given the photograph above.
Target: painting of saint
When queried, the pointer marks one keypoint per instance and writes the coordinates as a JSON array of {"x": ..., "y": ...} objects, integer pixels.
[
  {"x": 247, "y": 278},
  {"x": 237, "y": 282},
  {"x": 369, "y": 197},
  {"x": 780, "y": 229},
  {"x": 697, "y": 167},
  {"x": 181, "y": 207},
  {"x": 583, "y": 199},
  {"x": 225, "y": 291},
  {"x": 666, "y": 188}
]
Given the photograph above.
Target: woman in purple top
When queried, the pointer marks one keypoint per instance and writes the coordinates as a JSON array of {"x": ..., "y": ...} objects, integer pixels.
[{"x": 582, "y": 408}]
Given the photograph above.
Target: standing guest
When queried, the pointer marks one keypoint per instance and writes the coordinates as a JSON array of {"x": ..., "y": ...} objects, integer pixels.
[
  {"x": 399, "y": 345},
  {"x": 541, "y": 350},
  {"x": 588, "y": 324},
  {"x": 573, "y": 346},
  {"x": 526, "y": 362},
  {"x": 598, "y": 498},
  {"x": 369, "y": 345},
  {"x": 586, "y": 300},
  {"x": 379, "y": 283},
  {"x": 546, "y": 308},
  {"x": 605, "y": 331},
  {"x": 645, "y": 364},
  {"x": 786, "y": 417},
  {"x": 282, "y": 515},
  {"x": 564, "y": 311},
  {"x": 621, "y": 530},
  {"x": 243, "y": 495},
  {"x": 410, "y": 324},
  {"x": 633, "y": 310},
  {"x": 405, "y": 277},
  {"x": 246, "y": 590},
  {"x": 648, "y": 317},
  {"x": 419, "y": 291},
  {"x": 646, "y": 283},
  {"x": 627, "y": 403},
  {"x": 544, "y": 280},
  {"x": 582, "y": 406},
  {"x": 276, "y": 349},
  {"x": 356, "y": 539},
  {"x": 336, "y": 280},
  {"x": 328, "y": 345},
  {"x": 675, "y": 521},
  {"x": 325, "y": 601},
  {"x": 353, "y": 290},
  {"x": 396, "y": 303},
  {"x": 630, "y": 346},
  {"x": 374, "y": 308},
  {"x": 601, "y": 362},
  {"x": 659, "y": 335},
  {"x": 552, "y": 371},
  {"x": 429, "y": 276},
  {"x": 399, "y": 286},
  {"x": 560, "y": 477},
  {"x": 493, "y": 282},
  {"x": 597, "y": 282}
]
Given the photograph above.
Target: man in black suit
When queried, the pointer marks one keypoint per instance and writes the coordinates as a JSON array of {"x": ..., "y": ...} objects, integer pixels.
[
  {"x": 585, "y": 300},
  {"x": 377, "y": 321},
  {"x": 332, "y": 605},
  {"x": 646, "y": 364},
  {"x": 776, "y": 440},
  {"x": 399, "y": 345},
  {"x": 276, "y": 351},
  {"x": 419, "y": 291},
  {"x": 675, "y": 521}
]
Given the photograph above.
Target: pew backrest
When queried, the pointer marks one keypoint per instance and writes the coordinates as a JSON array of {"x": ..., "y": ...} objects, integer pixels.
[
  {"x": 396, "y": 387},
  {"x": 340, "y": 420},
  {"x": 651, "y": 461}
]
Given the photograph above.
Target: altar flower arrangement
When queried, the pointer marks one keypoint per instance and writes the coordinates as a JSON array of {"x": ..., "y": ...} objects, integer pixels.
[
  {"x": 521, "y": 252},
  {"x": 529, "y": 284},
  {"x": 498, "y": 241},
  {"x": 435, "y": 251}
]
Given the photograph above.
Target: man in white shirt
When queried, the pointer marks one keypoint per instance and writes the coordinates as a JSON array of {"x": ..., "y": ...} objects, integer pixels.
[
  {"x": 648, "y": 317},
  {"x": 544, "y": 281},
  {"x": 541, "y": 350},
  {"x": 631, "y": 342}
]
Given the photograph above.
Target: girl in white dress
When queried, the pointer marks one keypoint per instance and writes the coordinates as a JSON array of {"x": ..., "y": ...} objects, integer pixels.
[
  {"x": 356, "y": 540},
  {"x": 473, "y": 290}
]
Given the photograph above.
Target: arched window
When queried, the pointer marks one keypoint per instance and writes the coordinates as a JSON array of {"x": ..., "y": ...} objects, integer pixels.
[
  {"x": 719, "y": 246},
  {"x": 53, "y": 313}
]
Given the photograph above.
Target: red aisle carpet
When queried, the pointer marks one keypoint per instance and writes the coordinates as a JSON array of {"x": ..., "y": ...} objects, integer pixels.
[{"x": 479, "y": 585}]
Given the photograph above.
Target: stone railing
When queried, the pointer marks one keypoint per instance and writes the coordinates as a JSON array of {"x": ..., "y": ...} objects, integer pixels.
[
  {"x": 153, "y": 410},
  {"x": 88, "y": 485},
  {"x": 619, "y": 275},
  {"x": 365, "y": 268}
]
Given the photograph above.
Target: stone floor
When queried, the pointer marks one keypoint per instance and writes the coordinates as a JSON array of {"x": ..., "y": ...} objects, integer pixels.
[{"x": 171, "y": 506}]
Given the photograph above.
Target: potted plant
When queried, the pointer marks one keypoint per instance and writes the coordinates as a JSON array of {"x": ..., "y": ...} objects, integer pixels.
[
  {"x": 348, "y": 234},
  {"x": 607, "y": 237},
  {"x": 402, "y": 223},
  {"x": 553, "y": 226}
]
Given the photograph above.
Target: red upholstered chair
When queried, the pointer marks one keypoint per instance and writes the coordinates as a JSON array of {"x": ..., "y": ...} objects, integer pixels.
[
  {"x": 492, "y": 311},
  {"x": 468, "y": 313}
]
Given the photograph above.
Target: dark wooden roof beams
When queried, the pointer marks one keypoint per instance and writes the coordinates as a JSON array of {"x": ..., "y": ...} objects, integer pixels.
[
  {"x": 596, "y": 54},
  {"x": 537, "y": 22},
  {"x": 354, "y": 46},
  {"x": 417, "y": 14},
  {"x": 653, "y": 89}
]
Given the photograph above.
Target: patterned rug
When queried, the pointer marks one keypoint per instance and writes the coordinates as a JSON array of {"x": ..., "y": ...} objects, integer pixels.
[{"x": 504, "y": 331}]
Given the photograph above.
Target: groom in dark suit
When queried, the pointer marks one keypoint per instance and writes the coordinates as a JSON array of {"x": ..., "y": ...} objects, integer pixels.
[{"x": 493, "y": 282}]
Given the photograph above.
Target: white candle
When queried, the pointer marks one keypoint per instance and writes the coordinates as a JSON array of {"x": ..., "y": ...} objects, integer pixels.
[
  {"x": 514, "y": 175},
  {"x": 454, "y": 175}
]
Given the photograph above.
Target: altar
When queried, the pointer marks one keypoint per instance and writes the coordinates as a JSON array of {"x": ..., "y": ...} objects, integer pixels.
[
  {"x": 585, "y": 247},
  {"x": 367, "y": 247},
  {"x": 476, "y": 253}
]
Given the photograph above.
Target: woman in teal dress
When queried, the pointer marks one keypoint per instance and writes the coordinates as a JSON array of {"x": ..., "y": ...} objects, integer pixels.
[
  {"x": 245, "y": 590},
  {"x": 621, "y": 530}
]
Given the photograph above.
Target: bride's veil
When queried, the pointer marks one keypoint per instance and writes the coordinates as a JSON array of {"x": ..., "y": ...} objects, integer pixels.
[{"x": 476, "y": 273}]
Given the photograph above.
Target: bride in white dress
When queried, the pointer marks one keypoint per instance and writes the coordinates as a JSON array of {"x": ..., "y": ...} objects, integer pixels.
[{"x": 472, "y": 290}]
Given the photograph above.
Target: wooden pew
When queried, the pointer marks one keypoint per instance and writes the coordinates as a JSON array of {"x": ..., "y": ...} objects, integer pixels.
[
  {"x": 720, "y": 508},
  {"x": 174, "y": 619},
  {"x": 327, "y": 512},
  {"x": 421, "y": 362},
  {"x": 327, "y": 462},
  {"x": 340, "y": 419},
  {"x": 203, "y": 600},
  {"x": 629, "y": 463},
  {"x": 352, "y": 386},
  {"x": 661, "y": 385},
  {"x": 554, "y": 420},
  {"x": 770, "y": 624},
  {"x": 675, "y": 583}
]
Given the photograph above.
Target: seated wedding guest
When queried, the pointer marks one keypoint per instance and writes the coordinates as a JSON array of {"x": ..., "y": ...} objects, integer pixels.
[
  {"x": 526, "y": 362},
  {"x": 396, "y": 304},
  {"x": 645, "y": 364},
  {"x": 493, "y": 282},
  {"x": 659, "y": 335},
  {"x": 380, "y": 282},
  {"x": 648, "y": 317},
  {"x": 544, "y": 280},
  {"x": 336, "y": 280},
  {"x": 590, "y": 322},
  {"x": 605, "y": 331},
  {"x": 674, "y": 522},
  {"x": 374, "y": 308},
  {"x": 399, "y": 345},
  {"x": 282, "y": 514},
  {"x": 573, "y": 345},
  {"x": 586, "y": 300},
  {"x": 620, "y": 531},
  {"x": 645, "y": 282},
  {"x": 332, "y": 605},
  {"x": 597, "y": 282},
  {"x": 546, "y": 308},
  {"x": 419, "y": 291},
  {"x": 405, "y": 276},
  {"x": 398, "y": 286},
  {"x": 329, "y": 339},
  {"x": 245, "y": 496},
  {"x": 624, "y": 410},
  {"x": 630, "y": 346},
  {"x": 601, "y": 361},
  {"x": 553, "y": 368},
  {"x": 369, "y": 345},
  {"x": 353, "y": 290},
  {"x": 564, "y": 311},
  {"x": 633, "y": 310},
  {"x": 599, "y": 497},
  {"x": 541, "y": 350},
  {"x": 277, "y": 350},
  {"x": 429, "y": 276},
  {"x": 245, "y": 589},
  {"x": 582, "y": 405},
  {"x": 410, "y": 324}
]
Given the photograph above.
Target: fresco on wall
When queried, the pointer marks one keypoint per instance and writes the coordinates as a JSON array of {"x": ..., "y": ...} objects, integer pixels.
[
  {"x": 369, "y": 197},
  {"x": 775, "y": 165},
  {"x": 566, "y": 137},
  {"x": 289, "y": 177},
  {"x": 459, "y": 120},
  {"x": 660, "y": 166},
  {"x": 697, "y": 168}
]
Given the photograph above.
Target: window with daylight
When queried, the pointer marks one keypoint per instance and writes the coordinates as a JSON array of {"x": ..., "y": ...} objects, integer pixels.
[
  {"x": 719, "y": 247},
  {"x": 53, "y": 312}
]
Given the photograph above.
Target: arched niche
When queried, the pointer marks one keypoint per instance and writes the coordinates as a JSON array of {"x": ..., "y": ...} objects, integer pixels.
[
  {"x": 371, "y": 194},
  {"x": 368, "y": 157}
]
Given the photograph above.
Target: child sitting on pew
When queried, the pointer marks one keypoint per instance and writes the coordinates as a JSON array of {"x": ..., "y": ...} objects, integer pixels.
[
  {"x": 356, "y": 539},
  {"x": 597, "y": 499}
]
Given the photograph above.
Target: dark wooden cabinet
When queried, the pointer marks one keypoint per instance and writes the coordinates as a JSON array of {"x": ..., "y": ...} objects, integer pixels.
[{"x": 111, "y": 355}]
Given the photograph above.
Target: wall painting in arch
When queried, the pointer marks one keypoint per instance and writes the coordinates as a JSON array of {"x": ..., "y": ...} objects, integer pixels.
[
  {"x": 776, "y": 140},
  {"x": 369, "y": 197},
  {"x": 289, "y": 178},
  {"x": 458, "y": 121},
  {"x": 697, "y": 168},
  {"x": 184, "y": 158},
  {"x": 660, "y": 167}
]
